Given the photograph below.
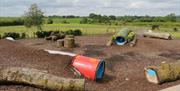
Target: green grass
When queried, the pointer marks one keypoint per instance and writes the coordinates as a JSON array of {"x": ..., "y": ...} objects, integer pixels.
[
  {"x": 90, "y": 28},
  {"x": 175, "y": 34},
  {"x": 161, "y": 24},
  {"x": 86, "y": 28}
]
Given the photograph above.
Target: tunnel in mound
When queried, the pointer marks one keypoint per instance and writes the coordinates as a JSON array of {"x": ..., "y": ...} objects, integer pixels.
[{"x": 120, "y": 40}]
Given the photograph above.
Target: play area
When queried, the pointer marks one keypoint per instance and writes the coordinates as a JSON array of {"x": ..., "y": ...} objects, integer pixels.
[{"x": 124, "y": 65}]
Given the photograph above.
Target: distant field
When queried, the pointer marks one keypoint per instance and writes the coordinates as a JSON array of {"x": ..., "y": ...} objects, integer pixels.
[
  {"x": 9, "y": 18},
  {"x": 74, "y": 23},
  {"x": 69, "y": 20}
]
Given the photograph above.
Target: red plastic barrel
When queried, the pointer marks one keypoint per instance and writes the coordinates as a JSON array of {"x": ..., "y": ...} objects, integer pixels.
[{"x": 89, "y": 67}]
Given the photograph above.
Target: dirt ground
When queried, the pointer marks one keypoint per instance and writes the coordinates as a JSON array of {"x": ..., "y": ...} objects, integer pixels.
[{"x": 124, "y": 65}]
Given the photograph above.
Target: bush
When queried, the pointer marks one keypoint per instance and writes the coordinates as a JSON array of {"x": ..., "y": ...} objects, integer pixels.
[
  {"x": 23, "y": 35},
  {"x": 69, "y": 32},
  {"x": 12, "y": 34},
  {"x": 49, "y": 21},
  {"x": 75, "y": 32},
  {"x": 65, "y": 22},
  {"x": 175, "y": 29},
  {"x": 43, "y": 34},
  {"x": 155, "y": 27},
  {"x": 54, "y": 32},
  {"x": 0, "y": 36}
]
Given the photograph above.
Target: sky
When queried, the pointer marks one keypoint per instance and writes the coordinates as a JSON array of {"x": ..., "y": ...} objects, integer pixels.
[{"x": 84, "y": 7}]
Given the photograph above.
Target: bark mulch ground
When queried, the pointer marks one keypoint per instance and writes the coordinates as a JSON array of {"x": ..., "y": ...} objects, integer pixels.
[{"x": 124, "y": 65}]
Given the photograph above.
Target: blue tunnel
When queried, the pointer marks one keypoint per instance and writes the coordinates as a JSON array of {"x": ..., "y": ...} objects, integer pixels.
[
  {"x": 100, "y": 70},
  {"x": 120, "y": 40}
]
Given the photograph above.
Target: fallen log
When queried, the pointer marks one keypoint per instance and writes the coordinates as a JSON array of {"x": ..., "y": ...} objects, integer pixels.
[
  {"x": 151, "y": 34},
  {"x": 48, "y": 38},
  {"x": 39, "y": 79},
  {"x": 54, "y": 38},
  {"x": 164, "y": 73},
  {"x": 69, "y": 36}
]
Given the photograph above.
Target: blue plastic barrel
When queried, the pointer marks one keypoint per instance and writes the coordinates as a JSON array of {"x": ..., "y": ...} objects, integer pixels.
[{"x": 100, "y": 70}]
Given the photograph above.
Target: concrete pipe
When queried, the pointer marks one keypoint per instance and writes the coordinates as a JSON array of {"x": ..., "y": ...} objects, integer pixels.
[
  {"x": 164, "y": 73},
  {"x": 166, "y": 36}
]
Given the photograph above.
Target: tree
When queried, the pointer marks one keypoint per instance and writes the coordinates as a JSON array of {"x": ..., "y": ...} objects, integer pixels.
[
  {"x": 49, "y": 21},
  {"x": 33, "y": 17},
  {"x": 84, "y": 20},
  {"x": 112, "y": 17},
  {"x": 171, "y": 17},
  {"x": 92, "y": 15}
]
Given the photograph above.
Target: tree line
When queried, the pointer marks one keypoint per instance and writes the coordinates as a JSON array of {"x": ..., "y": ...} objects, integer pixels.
[
  {"x": 97, "y": 18},
  {"x": 12, "y": 22}
]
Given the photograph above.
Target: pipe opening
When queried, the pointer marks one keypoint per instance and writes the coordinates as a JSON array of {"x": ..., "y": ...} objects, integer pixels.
[
  {"x": 120, "y": 40},
  {"x": 151, "y": 76},
  {"x": 100, "y": 70}
]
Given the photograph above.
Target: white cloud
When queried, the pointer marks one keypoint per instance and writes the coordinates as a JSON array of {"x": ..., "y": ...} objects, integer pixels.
[
  {"x": 84, "y": 7},
  {"x": 140, "y": 4}
]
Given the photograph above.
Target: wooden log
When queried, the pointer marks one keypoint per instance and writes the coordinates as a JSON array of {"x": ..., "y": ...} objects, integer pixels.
[
  {"x": 60, "y": 35},
  {"x": 69, "y": 36},
  {"x": 164, "y": 73},
  {"x": 60, "y": 43},
  {"x": 48, "y": 38},
  {"x": 69, "y": 42},
  {"x": 54, "y": 38},
  {"x": 166, "y": 36},
  {"x": 39, "y": 79}
]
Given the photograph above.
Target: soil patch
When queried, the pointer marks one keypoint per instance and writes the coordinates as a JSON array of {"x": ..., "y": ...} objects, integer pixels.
[
  {"x": 171, "y": 54},
  {"x": 14, "y": 54},
  {"x": 124, "y": 65}
]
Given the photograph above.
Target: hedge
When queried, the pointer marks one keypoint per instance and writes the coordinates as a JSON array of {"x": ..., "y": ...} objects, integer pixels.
[
  {"x": 43, "y": 34},
  {"x": 12, "y": 34},
  {"x": 75, "y": 32},
  {"x": 12, "y": 22}
]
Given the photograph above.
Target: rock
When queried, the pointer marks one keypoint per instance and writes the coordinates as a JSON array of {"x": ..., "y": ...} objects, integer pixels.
[{"x": 10, "y": 38}]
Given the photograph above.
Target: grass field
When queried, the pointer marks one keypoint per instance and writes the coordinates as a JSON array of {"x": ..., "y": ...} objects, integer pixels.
[
  {"x": 90, "y": 28},
  {"x": 86, "y": 28}
]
